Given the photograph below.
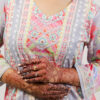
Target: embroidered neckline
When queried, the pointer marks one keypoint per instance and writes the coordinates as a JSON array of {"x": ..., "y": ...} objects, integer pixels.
[{"x": 56, "y": 16}]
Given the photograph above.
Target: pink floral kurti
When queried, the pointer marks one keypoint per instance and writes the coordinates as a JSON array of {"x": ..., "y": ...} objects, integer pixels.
[{"x": 28, "y": 33}]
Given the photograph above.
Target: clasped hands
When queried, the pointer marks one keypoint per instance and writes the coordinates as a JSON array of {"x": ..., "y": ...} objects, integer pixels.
[{"x": 40, "y": 71}]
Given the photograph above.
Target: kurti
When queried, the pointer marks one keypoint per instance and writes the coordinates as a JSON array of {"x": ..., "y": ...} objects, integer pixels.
[{"x": 28, "y": 33}]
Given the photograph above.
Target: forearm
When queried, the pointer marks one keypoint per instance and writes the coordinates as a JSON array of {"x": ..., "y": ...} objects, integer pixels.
[
  {"x": 12, "y": 78},
  {"x": 69, "y": 76}
]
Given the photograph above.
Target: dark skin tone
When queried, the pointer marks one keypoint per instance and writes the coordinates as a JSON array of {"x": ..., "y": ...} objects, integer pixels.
[
  {"x": 43, "y": 91},
  {"x": 42, "y": 70}
]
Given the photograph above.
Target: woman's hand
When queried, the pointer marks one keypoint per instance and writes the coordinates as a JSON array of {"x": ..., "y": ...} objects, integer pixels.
[
  {"x": 43, "y": 91},
  {"x": 50, "y": 91},
  {"x": 42, "y": 71}
]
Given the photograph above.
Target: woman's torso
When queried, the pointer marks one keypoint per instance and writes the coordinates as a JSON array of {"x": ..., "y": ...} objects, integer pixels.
[{"x": 29, "y": 33}]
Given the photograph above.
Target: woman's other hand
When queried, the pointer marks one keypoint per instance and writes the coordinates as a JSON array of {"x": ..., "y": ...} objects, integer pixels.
[{"x": 50, "y": 91}]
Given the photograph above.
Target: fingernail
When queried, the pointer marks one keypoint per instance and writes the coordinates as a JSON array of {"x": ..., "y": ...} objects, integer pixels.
[
  {"x": 19, "y": 64},
  {"x": 18, "y": 72}
]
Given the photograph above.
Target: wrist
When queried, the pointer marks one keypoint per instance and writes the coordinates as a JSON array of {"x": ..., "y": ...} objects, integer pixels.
[
  {"x": 65, "y": 75},
  {"x": 59, "y": 75},
  {"x": 69, "y": 76}
]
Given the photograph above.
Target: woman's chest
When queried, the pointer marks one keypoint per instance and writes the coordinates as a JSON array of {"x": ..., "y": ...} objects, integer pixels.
[
  {"x": 28, "y": 32},
  {"x": 31, "y": 30}
]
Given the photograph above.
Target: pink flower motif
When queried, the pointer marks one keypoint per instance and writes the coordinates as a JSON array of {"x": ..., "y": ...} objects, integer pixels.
[{"x": 40, "y": 15}]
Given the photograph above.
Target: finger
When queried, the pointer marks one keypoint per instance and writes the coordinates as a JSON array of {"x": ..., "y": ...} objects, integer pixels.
[
  {"x": 27, "y": 66},
  {"x": 55, "y": 92},
  {"x": 33, "y": 68},
  {"x": 34, "y": 74},
  {"x": 37, "y": 79},
  {"x": 25, "y": 63},
  {"x": 36, "y": 61},
  {"x": 60, "y": 96},
  {"x": 26, "y": 69},
  {"x": 61, "y": 90},
  {"x": 40, "y": 66},
  {"x": 55, "y": 97},
  {"x": 22, "y": 65},
  {"x": 58, "y": 87},
  {"x": 33, "y": 61}
]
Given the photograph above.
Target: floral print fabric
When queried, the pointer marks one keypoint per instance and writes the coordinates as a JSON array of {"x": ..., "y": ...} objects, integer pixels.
[{"x": 28, "y": 33}]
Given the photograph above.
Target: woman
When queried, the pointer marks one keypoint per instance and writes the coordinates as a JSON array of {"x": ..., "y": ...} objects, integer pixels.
[{"x": 44, "y": 42}]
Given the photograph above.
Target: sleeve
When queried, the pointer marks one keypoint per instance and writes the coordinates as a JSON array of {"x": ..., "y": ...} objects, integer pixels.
[
  {"x": 89, "y": 73},
  {"x": 3, "y": 64}
]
